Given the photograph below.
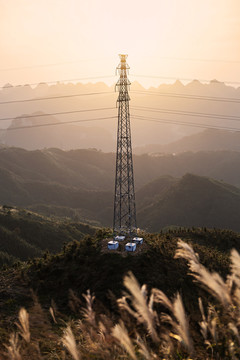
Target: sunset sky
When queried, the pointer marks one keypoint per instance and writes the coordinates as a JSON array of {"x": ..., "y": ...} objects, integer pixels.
[{"x": 46, "y": 40}]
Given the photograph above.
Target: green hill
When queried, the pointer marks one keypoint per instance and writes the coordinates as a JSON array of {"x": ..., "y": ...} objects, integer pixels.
[
  {"x": 85, "y": 265},
  {"x": 24, "y": 234}
]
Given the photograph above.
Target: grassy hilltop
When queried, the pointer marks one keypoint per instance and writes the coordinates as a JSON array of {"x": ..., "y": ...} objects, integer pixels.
[{"x": 84, "y": 264}]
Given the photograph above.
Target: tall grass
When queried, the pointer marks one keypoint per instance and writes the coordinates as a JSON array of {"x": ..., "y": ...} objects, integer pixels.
[{"x": 150, "y": 324}]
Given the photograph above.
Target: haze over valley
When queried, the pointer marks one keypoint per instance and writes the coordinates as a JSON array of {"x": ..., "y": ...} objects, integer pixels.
[{"x": 155, "y": 114}]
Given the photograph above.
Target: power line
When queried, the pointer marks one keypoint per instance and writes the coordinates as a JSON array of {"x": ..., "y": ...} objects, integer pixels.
[
  {"x": 87, "y": 60},
  {"x": 59, "y": 81},
  {"x": 185, "y": 123},
  {"x": 47, "y": 65},
  {"x": 138, "y": 117},
  {"x": 56, "y": 97},
  {"x": 186, "y": 96},
  {"x": 201, "y": 60},
  {"x": 56, "y": 113},
  {"x": 183, "y": 79},
  {"x": 177, "y": 95},
  {"x": 59, "y": 123},
  {"x": 139, "y": 108},
  {"x": 188, "y": 113}
]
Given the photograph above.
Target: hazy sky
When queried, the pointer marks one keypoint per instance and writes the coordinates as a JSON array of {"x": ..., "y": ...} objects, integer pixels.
[{"x": 169, "y": 38}]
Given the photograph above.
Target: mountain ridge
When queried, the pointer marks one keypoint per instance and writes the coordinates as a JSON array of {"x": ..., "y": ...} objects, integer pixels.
[
  {"x": 143, "y": 133},
  {"x": 80, "y": 184},
  {"x": 194, "y": 201}
]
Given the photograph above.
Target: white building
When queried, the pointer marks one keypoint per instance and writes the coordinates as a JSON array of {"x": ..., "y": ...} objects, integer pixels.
[
  {"x": 113, "y": 245},
  {"x": 137, "y": 240},
  {"x": 119, "y": 238},
  {"x": 130, "y": 246}
]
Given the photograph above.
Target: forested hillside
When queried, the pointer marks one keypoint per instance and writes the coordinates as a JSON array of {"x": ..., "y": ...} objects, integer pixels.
[
  {"x": 79, "y": 184},
  {"x": 94, "y": 170},
  {"x": 25, "y": 234}
]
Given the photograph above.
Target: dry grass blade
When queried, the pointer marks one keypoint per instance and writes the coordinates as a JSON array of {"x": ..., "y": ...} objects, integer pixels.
[
  {"x": 23, "y": 325},
  {"x": 182, "y": 327},
  {"x": 13, "y": 348},
  {"x": 236, "y": 298},
  {"x": 143, "y": 350},
  {"x": 88, "y": 312},
  {"x": 186, "y": 251},
  {"x": 212, "y": 281},
  {"x": 120, "y": 333},
  {"x": 235, "y": 267},
  {"x": 234, "y": 330},
  {"x": 68, "y": 340},
  {"x": 161, "y": 298},
  {"x": 201, "y": 309},
  {"x": 52, "y": 314},
  {"x": 138, "y": 297},
  {"x": 212, "y": 321},
  {"x": 235, "y": 262},
  {"x": 123, "y": 304}
]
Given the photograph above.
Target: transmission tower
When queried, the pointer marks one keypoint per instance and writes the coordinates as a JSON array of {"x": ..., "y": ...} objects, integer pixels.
[{"x": 124, "y": 200}]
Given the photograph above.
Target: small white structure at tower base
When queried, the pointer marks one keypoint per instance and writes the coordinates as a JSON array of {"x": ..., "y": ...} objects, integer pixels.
[
  {"x": 137, "y": 240},
  {"x": 119, "y": 238},
  {"x": 130, "y": 246},
  {"x": 113, "y": 245}
]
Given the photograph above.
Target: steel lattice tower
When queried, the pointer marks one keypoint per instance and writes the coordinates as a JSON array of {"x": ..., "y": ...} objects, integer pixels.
[{"x": 124, "y": 200}]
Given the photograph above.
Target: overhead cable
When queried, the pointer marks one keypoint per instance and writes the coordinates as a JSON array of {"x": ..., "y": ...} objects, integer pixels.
[
  {"x": 56, "y": 97},
  {"x": 187, "y": 113},
  {"x": 185, "y": 123},
  {"x": 184, "y": 79},
  {"x": 56, "y": 113},
  {"x": 54, "y": 124},
  {"x": 186, "y": 96}
]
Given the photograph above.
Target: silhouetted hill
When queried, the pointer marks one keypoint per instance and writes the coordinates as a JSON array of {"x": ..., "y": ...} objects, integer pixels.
[
  {"x": 207, "y": 140},
  {"x": 192, "y": 201}
]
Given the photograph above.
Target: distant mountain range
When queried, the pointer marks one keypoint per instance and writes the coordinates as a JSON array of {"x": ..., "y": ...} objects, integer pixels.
[
  {"x": 171, "y": 103},
  {"x": 79, "y": 184},
  {"x": 66, "y": 136}
]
